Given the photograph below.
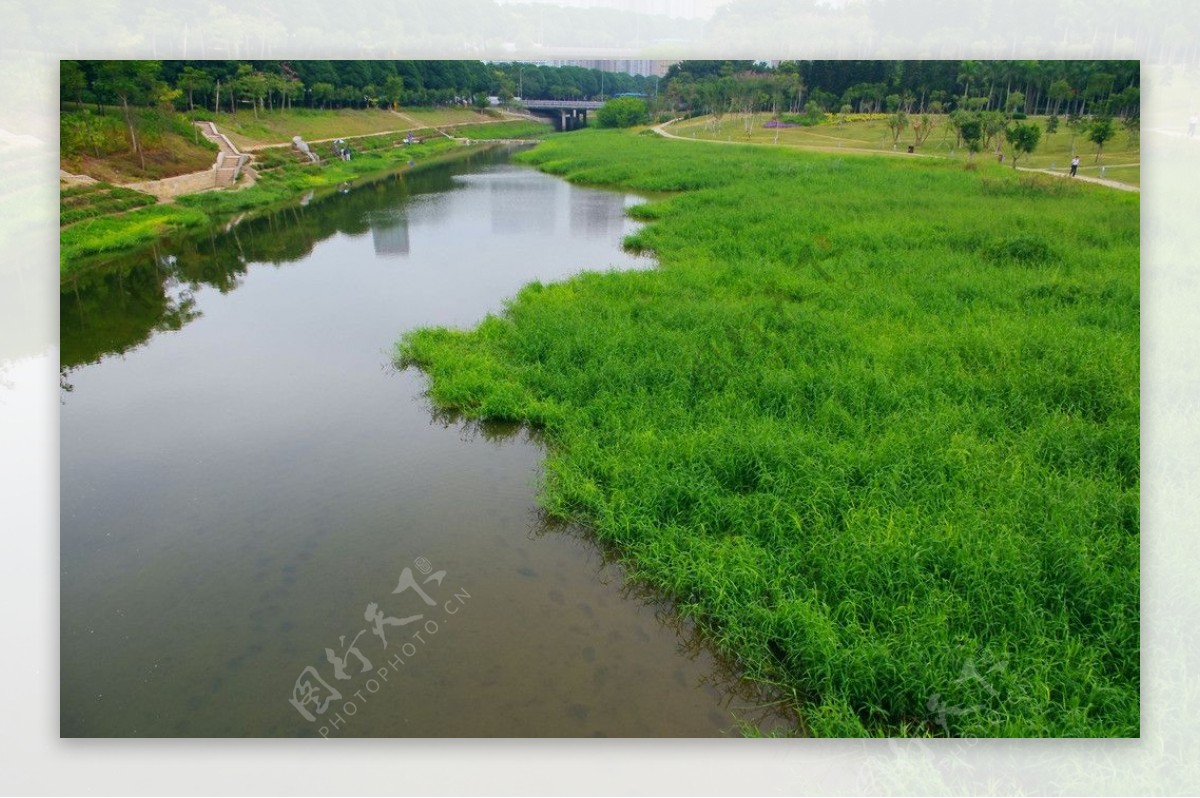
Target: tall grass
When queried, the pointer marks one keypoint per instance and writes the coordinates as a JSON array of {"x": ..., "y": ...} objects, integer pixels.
[{"x": 873, "y": 423}]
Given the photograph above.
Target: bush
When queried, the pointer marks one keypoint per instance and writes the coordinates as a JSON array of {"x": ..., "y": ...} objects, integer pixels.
[
  {"x": 622, "y": 112},
  {"x": 86, "y": 133}
]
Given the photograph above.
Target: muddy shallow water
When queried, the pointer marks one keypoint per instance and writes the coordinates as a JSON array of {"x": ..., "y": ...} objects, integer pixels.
[{"x": 266, "y": 530}]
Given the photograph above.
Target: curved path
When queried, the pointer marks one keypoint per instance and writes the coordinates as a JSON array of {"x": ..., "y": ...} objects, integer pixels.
[
  {"x": 232, "y": 162},
  {"x": 661, "y": 130}
]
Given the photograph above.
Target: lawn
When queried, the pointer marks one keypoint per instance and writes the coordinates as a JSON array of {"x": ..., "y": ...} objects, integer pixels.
[
  {"x": 873, "y": 423},
  {"x": 1120, "y": 159},
  {"x": 278, "y": 127}
]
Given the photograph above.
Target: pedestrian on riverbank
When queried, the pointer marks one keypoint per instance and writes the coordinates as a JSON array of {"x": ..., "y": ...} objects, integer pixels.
[{"x": 1074, "y": 165}]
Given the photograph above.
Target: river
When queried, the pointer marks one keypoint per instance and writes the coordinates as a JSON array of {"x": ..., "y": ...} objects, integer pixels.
[{"x": 266, "y": 530}]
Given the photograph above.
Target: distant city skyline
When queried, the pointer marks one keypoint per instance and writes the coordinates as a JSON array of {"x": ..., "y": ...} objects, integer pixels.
[
  {"x": 678, "y": 9},
  {"x": 628, "y": 66}
]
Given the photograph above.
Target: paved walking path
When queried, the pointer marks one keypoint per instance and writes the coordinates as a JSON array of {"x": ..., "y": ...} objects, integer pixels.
[
  {"x": 232, "y": 162},
  {"x": 661, "y": 130}
]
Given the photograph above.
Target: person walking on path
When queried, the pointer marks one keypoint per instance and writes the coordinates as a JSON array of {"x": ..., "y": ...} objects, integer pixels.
[{"x": 1074, "y": 165}]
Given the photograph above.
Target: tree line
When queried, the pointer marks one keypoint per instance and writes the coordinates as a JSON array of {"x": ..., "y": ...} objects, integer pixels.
[
  {"x": 1071, "y": 88},
  {"x": 260, "y": 86},
  {"x": 861, "y": 86}
]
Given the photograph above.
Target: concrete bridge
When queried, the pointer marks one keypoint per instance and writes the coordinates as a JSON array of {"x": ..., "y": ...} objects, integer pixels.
[{"x": 567, "y": 114}]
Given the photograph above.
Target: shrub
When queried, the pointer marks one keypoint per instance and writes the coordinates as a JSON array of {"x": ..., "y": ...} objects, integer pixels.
[{"x": 622, "y": 112}]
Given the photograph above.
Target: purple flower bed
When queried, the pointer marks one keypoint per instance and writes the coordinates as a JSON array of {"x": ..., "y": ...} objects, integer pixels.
[{"x": 777, "y": 123}]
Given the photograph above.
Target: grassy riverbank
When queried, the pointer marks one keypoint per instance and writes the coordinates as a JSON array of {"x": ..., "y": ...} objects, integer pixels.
[
  {"x": 874, "y": 423},
  {"x": 97, "y": 219},
  {"x": 138, "y": 227}
]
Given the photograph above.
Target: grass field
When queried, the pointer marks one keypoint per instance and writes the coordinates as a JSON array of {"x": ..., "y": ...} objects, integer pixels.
[
  {"x": 90, "y": 200},
  {"x": 1120, "y": 160},
  {"x": 136, "y": 227},
  {"x": 274, "y": 127},
  {"x": 873, "y": 423}
]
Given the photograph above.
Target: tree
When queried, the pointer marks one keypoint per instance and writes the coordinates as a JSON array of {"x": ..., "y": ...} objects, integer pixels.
[
  {"x": 922, "y": 127},
  {"x": 323, "y": 93},
  {"x": 131, "y": 82},
  {"x": 971, "y": 130},
  {"x": 1059, "y": 91},
  {"x": 393, "y": 89},
  {"x": 1023, "y": 138},
  {"x": 1100, "y": 131},
  {"x": 1051, "y": 125},
  {"x": 622, "y": 112},
  {"x": 896, "y": 123},
  {"x": 993, "y": 126},
  {"x": 968, "y": 71},
  {"x": 251, "y": 84},
  {"x": 955, "y": 120},
  {"x": 72, "y": 82},
  {"x": 193, "y": 80}
]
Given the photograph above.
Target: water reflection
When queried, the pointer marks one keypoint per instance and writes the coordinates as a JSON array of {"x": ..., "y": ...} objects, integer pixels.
[
  {"x": 389, "y": 232},
  {"x": 597, "y": 215},
  {"x": 114, "y": 304},
  {"x": 521, "y": 205},
  {"x": 251, "y": 472}
]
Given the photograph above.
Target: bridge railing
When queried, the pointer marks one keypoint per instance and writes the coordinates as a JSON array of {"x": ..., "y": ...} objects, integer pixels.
[{"x": 582, "y": 105}]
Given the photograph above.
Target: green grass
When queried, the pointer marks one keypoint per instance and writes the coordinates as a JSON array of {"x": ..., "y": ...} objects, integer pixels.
[
  {"x": 1120, "y": 158},
  {"x": 278, "y": 127},
  {"x": 873, "y": 423},
  {"x": 283, "y": 183},
  {"x": 114, "y": 233},
  {"x": 91, "y": 200},
  {"x": 516, "y": 129}
]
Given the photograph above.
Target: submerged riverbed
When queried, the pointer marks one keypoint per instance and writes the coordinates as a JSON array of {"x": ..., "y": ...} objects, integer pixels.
[{"x": 266, "y": 530}]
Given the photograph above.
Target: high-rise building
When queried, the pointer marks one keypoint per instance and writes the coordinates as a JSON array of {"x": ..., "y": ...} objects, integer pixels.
[{"x": 676, "y": 9}]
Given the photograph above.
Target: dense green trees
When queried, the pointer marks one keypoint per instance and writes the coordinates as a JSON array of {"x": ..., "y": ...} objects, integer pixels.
[
  {"x": 1028, "y": 87},
  {"x": 228, "y": 86}
]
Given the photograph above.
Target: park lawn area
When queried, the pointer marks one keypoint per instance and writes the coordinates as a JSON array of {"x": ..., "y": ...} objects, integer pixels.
[
  {"x": 873, "y": 423},
  {"x": 1120, "y": 158},
  {"x": 278, "y": 127}
]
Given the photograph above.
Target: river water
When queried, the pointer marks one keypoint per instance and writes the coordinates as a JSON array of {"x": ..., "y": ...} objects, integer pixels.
[{"x": 267, "y": 531}]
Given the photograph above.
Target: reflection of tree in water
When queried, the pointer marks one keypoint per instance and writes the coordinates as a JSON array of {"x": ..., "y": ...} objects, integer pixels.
[
  {"x": 115, "y": 304},
  {"x": 118, "y": 308}
]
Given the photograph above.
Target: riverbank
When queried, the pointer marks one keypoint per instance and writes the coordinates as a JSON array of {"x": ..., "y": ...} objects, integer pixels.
[
  {"x": 873, "y": 423},
  {"x": 280, "y": 178}
]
